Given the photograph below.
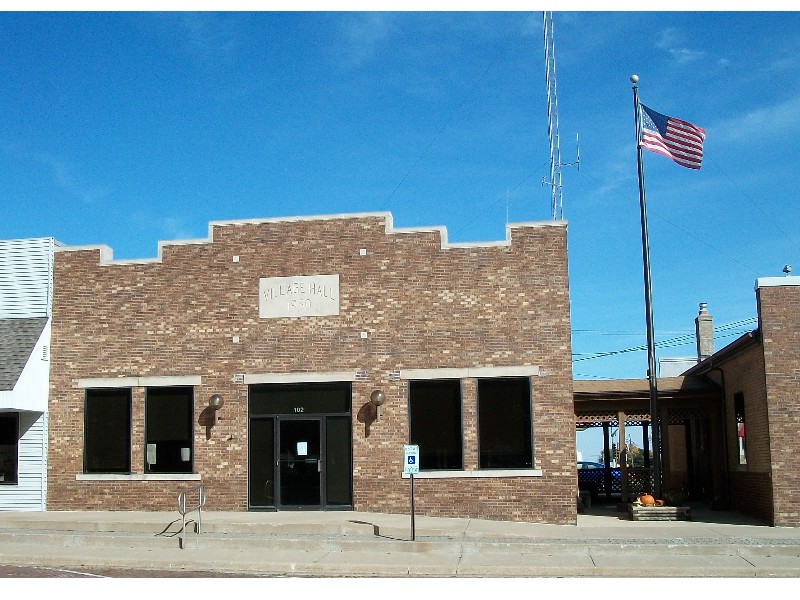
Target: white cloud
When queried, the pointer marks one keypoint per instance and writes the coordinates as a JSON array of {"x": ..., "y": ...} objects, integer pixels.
[
  {"x": 65, "y": 179},
  {"x": 761, "y": 123},
  {"x": 210, "y": 36},
  {"x": 174, "y": 228},
  {"x": 669, "y": 41},
  {"x": 362, "y": 35}
]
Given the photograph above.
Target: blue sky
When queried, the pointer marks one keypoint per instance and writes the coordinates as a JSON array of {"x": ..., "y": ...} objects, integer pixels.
[{"x": 129, "y": 128}]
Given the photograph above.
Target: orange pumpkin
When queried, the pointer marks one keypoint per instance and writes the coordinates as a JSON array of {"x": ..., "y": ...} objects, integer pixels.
[{"x": 647, "y": 500}]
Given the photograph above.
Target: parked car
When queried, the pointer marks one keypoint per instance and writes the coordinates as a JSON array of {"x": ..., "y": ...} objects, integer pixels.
[
  {"x": 584, "y": 464},
  {"x": 592, "y": 478}
]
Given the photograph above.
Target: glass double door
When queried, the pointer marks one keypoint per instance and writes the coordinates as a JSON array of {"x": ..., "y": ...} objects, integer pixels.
[
  {"x": 300, "y": 463},
  {"x": 300, "y": 452}
]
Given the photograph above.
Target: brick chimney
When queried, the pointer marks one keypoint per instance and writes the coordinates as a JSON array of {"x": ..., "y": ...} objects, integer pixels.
[{"x": 704, "y": 330}]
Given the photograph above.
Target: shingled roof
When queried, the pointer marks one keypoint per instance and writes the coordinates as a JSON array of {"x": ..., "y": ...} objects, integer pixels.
[{"x": 18, "y": 337}]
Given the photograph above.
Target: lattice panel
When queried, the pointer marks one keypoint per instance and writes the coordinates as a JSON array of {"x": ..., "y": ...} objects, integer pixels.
[
  {"x": 678, "y": 416},
  {"x": 597, "y": 420}
]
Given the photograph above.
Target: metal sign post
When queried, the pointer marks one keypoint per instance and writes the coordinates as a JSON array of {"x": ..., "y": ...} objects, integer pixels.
[
  {"x": 413, "y": 532},
  {"x": 411, "y": 467}
]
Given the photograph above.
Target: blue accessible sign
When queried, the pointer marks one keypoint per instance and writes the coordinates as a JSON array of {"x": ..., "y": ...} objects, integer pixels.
[{"x": 410, "y": 459}]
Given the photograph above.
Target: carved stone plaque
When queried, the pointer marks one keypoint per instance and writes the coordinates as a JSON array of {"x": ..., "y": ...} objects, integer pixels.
[{"x": 299, "y": 296}]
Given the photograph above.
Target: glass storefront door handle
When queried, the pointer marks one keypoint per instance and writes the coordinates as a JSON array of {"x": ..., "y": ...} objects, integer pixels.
[{"x": 319, "y": 466}]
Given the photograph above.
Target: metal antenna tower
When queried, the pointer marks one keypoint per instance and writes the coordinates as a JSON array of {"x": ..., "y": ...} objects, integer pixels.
[{"x": 557, "y": 199}]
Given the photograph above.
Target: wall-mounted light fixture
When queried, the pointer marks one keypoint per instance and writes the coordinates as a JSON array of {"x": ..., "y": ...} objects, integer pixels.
[
  {"x": 215, "y": 403},
  {"x": 377, "y": 398}
]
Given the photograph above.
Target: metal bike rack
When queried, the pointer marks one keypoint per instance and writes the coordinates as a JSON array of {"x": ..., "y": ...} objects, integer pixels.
[{"x": 197, "y": 499}]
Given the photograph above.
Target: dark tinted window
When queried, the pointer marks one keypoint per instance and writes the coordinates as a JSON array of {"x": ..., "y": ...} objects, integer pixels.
[
  {"x": 434, "y": 423},
  {"x": 504, "y": 423},
  {"x": 169, "y": 430},
  {"x": 107, "y": 431},
  {"x": 9, "y": 436},
  {"x": 300, "y": 399}
]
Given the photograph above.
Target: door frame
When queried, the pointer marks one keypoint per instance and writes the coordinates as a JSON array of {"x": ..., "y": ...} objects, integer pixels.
[{"x": 322, "y": 417}]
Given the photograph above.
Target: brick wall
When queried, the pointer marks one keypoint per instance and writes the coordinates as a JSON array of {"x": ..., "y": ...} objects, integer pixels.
[
  {"x": 749, "y": 484},
  {"x": 421, "y": 305},
  {"x": 752, "y": 494},
  {"x": 779, "y": 315},
  {"x": 677, "y": 476}
]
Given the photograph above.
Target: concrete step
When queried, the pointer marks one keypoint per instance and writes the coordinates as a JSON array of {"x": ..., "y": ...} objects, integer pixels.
[
  {"x": 321, "y": 557},
  {"x": 163, "y": 526},
  {"x": 320, "y": 554},
  {"x": 361, "y": 544},
  {"x": 304, "y": 542}
]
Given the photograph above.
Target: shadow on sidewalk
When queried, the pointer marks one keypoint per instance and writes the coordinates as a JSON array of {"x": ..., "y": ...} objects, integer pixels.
[{"x": 376, "y": 530}]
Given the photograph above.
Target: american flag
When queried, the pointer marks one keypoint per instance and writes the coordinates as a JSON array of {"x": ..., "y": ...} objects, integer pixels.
[{"x": 679, "y": 140}]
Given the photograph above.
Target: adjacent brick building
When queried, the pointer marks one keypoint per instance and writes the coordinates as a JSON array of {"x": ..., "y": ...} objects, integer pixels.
[
  {"x": 292, "y": 325},
  {"x": 779, "y": 325},
  {"x": 759, "y": 375}
]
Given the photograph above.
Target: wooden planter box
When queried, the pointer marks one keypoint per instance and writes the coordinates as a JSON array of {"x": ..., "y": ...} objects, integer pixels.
[{"x": 660, "y": 513}]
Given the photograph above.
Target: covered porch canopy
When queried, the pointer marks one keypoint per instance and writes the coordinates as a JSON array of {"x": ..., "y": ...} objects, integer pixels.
[{"x": 690, "y": 419}]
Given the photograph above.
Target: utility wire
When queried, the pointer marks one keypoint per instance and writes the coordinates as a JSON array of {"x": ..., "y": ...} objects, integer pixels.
[
  {"x": 678, "y": 227},
  {"x": 458, "y": 108},
  {"x": 755, "y": 205},
  {"x": 670, "y": 343},
  {"x": 581, "y": 357},
  {"x": 495, "y": 203},
  {"x": 680, "y": 332}
]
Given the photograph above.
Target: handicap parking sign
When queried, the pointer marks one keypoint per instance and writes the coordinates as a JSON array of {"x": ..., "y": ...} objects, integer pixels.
[{"x": 410, "y": 459}]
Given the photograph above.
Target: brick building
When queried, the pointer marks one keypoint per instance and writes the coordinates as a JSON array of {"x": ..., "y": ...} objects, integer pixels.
[
  {"x": 759, "y": 376},
  {"x": 248, "y": 362}
]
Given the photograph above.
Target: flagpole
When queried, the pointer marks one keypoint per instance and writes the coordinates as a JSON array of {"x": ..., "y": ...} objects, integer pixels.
[{"x": 648, "y": 303}]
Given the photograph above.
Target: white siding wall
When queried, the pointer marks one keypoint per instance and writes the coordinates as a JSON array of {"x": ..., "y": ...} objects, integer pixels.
[
  {"x": 30, "y": 493},
  {"x": 26, "y": 290},
  {"x": 26, "y": 277}
]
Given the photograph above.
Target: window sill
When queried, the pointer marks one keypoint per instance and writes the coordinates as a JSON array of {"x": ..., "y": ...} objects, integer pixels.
[
  {"x": 137, "y": 477},
  {"x": 482, "y": 473}
]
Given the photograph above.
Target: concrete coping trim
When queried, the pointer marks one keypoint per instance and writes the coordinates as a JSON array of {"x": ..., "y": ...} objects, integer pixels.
[
  {"x": 122, "y": 382},
  {"x": 471, "y": 372},
  {"x": 107, "y": 254},
  {"x": 777, "y": 281},
  {"x": 477, "y": 474},
  {"x": 138, "y": 477},
  {"x": 299, "y": 377}
]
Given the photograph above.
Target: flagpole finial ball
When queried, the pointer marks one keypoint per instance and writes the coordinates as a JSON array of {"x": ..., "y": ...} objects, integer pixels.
[{"x": 634, "y": 79}]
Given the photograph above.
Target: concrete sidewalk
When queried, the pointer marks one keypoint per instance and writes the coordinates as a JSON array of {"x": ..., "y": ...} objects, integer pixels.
[{"x": 604, "y": 543}]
